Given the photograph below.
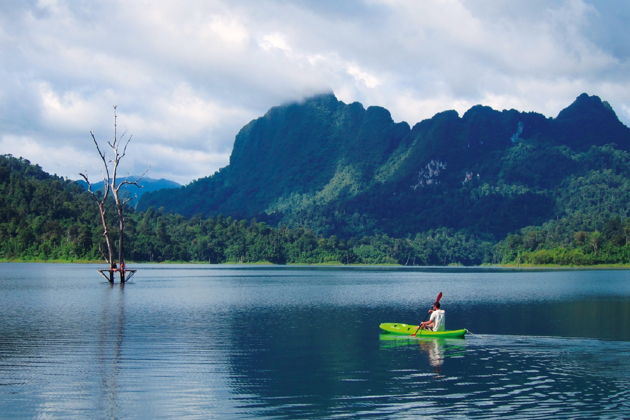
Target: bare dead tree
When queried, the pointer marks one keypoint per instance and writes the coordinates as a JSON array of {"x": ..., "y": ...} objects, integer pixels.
[
  {"x": 101, "y": 201},
  {"x": 118, "y": 155},
  {"x": 118, "y": 146}
]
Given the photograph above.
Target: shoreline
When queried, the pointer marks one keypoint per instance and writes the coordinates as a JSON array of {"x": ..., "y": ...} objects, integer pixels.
[
  {"x": 332, "y": 263},
  {"x": 559, "y": 266}
]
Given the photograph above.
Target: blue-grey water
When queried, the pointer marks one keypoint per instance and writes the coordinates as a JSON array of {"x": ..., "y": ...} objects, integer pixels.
[{"x": 196, "y": 341}]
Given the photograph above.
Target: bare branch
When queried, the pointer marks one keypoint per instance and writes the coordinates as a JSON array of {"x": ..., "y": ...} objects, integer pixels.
[
  {"x": 84, "y": 176},
  {"x": 101, "y": 201},
  {"x": 141, "y": 177},
  {"x": 111, "y": 184},
  {"x": 89, "y": 184},
  {"x": 125, "y": 148},
  {"x": 115, "y": 141},
  {"x": 127, "y": 182},
  {"x": 101, "y": 154},
  {"x": 135, "y": 183}
]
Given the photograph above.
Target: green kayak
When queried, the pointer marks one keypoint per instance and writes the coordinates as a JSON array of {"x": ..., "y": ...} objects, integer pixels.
[{"x": 405, "y": 329}]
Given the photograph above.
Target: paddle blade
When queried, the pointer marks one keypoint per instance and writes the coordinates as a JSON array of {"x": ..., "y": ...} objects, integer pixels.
[{"x": 439, "y": 296}]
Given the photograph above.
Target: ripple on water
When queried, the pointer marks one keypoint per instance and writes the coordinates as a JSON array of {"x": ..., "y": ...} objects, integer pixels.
[
  {"x": 199, "y": 343},
  {"x": 538, "y": 377}
]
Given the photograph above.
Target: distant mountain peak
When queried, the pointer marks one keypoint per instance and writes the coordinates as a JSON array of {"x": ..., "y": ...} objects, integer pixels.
[
  {"x": 477, "y": 111},
  {"x": 584, "y": 105},
  {"x": 147, "y": 185},
  {"x": 590, "y": 121},
  {"x": 317, "y": 99}
]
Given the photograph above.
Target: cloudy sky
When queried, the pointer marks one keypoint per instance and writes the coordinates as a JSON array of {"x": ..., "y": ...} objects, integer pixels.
[{"x": 187, "y": 75}]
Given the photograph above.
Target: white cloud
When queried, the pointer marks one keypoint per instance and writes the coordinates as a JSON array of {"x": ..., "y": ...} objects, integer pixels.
[
  {"x": 360, "y": 75},
  {"x": 175, "y": 163},
  {"x": 53, "y": 156},
  {"x": 274, "y": 41},
  {"x": 187, "y": 76},
  {"x": 230, "y": 30},
  {"x": 182, "y": 115},
  {"x": 69, "y": 111}
]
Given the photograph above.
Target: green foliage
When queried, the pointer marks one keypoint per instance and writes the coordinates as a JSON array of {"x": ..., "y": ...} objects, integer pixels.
[
  {"x": 593, "y": 224},
  {"x": 557, "y": 243},
  {"x": 326, "y": 182},
  {"x": 44, "y": 216},
  {"x": 343, "y": 170}
]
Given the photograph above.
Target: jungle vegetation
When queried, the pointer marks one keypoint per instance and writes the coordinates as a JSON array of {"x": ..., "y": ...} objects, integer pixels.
[{"x": 325, "y": 182}]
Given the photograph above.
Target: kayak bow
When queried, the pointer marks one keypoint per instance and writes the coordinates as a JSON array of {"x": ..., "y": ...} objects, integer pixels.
[{"x": 405, "y": 329}]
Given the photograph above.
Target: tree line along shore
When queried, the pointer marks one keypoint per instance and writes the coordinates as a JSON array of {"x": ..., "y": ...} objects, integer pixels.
[{"x": 47, "y": 218}]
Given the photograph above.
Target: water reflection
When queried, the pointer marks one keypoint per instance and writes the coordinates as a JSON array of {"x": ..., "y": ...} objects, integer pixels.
[
  {"x": 111, "y": 335},
  {"x": 286, "y": 343},
  {"x": 436, "y": 350}
]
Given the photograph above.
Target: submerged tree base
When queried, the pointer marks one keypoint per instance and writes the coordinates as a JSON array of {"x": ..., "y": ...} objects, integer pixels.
[{"x": 110, "y": 273}]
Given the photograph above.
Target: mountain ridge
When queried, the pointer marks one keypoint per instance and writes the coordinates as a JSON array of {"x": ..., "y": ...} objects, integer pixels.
[
  {"x": 132, "y": 192},
  {"x": 348, "y": 170}
]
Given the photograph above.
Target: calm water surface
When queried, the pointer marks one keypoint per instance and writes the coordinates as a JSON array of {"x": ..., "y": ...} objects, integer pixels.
[{"x": 301, "y": 342}]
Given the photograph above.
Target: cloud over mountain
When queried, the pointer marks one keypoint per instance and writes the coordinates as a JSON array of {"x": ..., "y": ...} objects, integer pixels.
[{"x": 187, "y": 75}]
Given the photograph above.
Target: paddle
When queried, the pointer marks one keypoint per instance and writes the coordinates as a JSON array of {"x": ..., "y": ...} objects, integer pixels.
[{"x": 437, "y": 300}]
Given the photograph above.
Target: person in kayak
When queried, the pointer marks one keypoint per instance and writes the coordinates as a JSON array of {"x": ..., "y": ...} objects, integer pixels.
[{"x": 437, "y": 321}]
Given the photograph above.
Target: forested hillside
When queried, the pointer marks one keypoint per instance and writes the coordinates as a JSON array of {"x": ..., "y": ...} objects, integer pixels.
[
  {"x": 345, "y": 170},
  {"x": 44, "y": 217},
  {"x": 322, "y": 181},
  {"x": 532, "y": 183}
]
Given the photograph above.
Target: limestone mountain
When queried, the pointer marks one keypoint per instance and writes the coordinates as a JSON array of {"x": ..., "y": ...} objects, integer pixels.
[{"x": 349, "y": 171}]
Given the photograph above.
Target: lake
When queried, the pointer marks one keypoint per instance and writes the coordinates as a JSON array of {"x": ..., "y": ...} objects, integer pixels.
[{"x": 204, "y": 341}]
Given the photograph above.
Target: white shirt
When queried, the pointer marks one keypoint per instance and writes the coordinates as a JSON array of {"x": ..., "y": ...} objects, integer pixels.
[{"x": 439, "y": 320}]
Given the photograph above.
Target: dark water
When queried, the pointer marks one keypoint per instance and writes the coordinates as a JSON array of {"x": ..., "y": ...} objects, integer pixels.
[{"x": 237, "y": 342}]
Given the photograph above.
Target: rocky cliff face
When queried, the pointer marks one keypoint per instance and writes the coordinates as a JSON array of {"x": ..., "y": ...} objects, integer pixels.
[{"x": 343, "y": 169}]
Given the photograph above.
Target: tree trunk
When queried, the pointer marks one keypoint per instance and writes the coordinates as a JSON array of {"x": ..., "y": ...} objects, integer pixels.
[
  {"x": 101, "y": 203},
  {"x": 121, "y": 239},
  {"x": 110, "y": 167},
  {"x": 110, "y": 252}
]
